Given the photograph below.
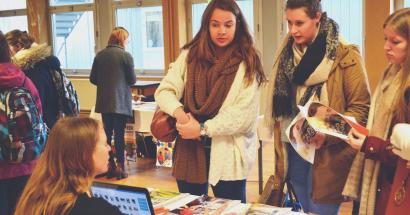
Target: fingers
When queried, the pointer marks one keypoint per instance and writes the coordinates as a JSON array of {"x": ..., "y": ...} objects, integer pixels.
[
  {"x": 190, "y": 129},
  {"x": 355, "y": 139},
  {"x": 357, "y": 134}
]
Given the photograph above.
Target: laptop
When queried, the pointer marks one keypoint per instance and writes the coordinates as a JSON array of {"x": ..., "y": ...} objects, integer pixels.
[{"x": 130, "y": 200}]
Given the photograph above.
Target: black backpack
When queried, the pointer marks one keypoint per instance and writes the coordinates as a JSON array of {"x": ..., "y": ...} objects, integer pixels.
[{"x": 68, "y": 104}]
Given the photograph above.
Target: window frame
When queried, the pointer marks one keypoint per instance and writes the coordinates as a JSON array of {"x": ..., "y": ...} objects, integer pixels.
[
  {"x": 285, "y": 27},
  {"x": 397, "y": 4},
  {"x": 257, "y": 19},
  {"x": 72, "y": 72},
  {"x": 14, "y": 12},
  {"x": 157, "y": 73}
]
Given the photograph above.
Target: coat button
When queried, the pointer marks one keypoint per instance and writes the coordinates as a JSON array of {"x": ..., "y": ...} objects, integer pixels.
[{"x": 371, "y": 149}]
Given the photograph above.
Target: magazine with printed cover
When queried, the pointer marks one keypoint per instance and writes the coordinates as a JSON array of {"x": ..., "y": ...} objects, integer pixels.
[
  {"x": 212, "y": 204},
  {"x": 160, "y": 198},
  {"x": 261, "y": 209},
  {"x": 164, "y": 154},
  {"x": 309, "y": 128}
]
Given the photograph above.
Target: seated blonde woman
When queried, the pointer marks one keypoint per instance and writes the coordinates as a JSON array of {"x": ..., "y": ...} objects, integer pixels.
[{"x": 76, "y": 151}]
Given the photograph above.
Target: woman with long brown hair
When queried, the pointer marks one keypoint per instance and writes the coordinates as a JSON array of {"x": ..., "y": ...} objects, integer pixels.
[
  {"x": 217, "y": 78},
  {"x": 76, "y": 151},
  {"x": 384, "y": 159}
]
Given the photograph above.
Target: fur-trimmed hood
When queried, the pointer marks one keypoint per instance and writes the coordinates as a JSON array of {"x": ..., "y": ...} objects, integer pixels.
[{"x": 27, "y": 58}]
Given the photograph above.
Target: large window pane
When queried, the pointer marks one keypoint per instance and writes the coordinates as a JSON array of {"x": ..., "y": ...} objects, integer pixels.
[
  {"x": 146, "y": 40},
  {"x": 13, "y": 22},
  {"x": 73, "y": 39},
  {"x": 12, "y": 4},
  {"x": 349, "y": 15},
  {"x": 69, "y": 2},
  {"x": 407, "y": 3},
  {"x": 246, "y": 7}
]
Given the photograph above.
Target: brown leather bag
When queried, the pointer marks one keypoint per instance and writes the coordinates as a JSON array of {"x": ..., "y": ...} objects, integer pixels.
[
  {"x": 272, "y": 193},
  {"x": 163, "y": 126}
]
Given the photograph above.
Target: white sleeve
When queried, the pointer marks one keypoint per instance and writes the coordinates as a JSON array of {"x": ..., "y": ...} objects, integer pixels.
[
  {"x": 400, "y": 138},
  {"x": 171, "y": 88},
  {"x": 239, "y": 117}
]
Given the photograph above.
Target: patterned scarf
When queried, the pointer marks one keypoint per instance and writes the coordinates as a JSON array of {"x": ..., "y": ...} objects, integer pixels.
[
  {"x": 207, "y": 86},
  {"x": 288, "y": 74}
]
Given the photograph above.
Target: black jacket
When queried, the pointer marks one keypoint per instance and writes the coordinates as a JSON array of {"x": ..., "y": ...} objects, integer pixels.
[{"x": 36, "y": 63}]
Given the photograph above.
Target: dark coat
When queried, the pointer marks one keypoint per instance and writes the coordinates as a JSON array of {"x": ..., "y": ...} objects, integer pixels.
[
  {"x": 37, "y": 62},
  {"x": 113, "y": 74}
]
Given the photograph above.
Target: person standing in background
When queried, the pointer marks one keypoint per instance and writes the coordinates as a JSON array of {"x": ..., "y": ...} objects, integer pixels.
[
  {"x": 13, "y": 176},
  {"x": 212, "y": 90},
  {"x": 315, "y": 64},
  {"x": 113, "y": 74},
  {"x": 36, "y": 61}
]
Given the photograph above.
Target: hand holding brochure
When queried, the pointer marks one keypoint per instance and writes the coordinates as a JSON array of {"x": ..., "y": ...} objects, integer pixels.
[{"x": 309, "y": 128}]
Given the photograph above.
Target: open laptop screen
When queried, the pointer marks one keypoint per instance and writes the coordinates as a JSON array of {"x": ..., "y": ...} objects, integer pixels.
[{"x": 130, "y": 200}]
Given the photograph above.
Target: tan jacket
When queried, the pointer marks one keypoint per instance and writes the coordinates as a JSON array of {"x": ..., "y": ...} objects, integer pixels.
[{"x": 349, "y": 94}]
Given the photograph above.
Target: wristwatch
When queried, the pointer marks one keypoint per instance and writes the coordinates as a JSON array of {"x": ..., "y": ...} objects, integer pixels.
[{"x": 202, "y": 130}]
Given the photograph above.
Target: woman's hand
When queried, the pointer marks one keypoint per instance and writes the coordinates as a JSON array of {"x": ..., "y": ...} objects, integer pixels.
[
  {"x": 190, "y": 129},
  {"x": 355, "y": 139},
  {"x": 181, "y": 116}
]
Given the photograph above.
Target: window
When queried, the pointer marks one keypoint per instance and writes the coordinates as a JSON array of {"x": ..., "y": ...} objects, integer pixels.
[
  {"x": 198, "y": 8},
  {"x": 12, "y": 5},
  {"x": 13, "y": 15},
  {"x": 13, "y": 22},
  {"x": 146, "y": 39},
  {"x": 349, "y": 15},
  {"x": 68, "y": 2},
  {"x": 407, "y": 3},
  {"x": 73, "y": 37}
]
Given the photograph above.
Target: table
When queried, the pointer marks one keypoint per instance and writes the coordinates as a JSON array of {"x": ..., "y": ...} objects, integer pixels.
[
  {"x": 143, "y": 113},
  {"x": 145, "y": 88}
]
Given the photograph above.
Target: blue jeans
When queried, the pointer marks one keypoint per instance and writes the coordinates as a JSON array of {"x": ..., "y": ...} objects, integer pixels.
[
  {"x": 300, "y": 175},
  {"x": 115, "y": 122}
]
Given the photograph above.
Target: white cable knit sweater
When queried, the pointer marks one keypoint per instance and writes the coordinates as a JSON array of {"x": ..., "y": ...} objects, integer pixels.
[{"x": 233, "y": 129}]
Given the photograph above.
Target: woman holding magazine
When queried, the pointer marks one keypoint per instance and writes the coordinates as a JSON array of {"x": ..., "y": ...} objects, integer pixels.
[
  {"x": 314, "y": 63},
  {"x": 386, "y": 150},
  {"x": 212, "y": 91}
]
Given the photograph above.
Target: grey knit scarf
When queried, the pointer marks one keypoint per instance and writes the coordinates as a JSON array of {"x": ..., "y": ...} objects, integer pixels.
[{"x": 325, "y": 45}]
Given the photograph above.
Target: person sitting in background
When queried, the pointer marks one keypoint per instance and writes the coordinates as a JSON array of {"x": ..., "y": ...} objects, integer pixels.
[
  {"x": 76, "y": 151},
  {"x": 36, "y": 61},
  {"x": 385, "y": 184},
  {"x": 13, "y": 176}
]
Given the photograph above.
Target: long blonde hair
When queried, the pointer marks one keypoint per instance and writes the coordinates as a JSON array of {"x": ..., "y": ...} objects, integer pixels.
[
  {"x": 399, "y": 21},
  {"x": 64, "y": 170}
]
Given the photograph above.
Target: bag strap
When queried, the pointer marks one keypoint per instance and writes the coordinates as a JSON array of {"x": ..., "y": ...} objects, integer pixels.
[{"x": 294, "y": 200}]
